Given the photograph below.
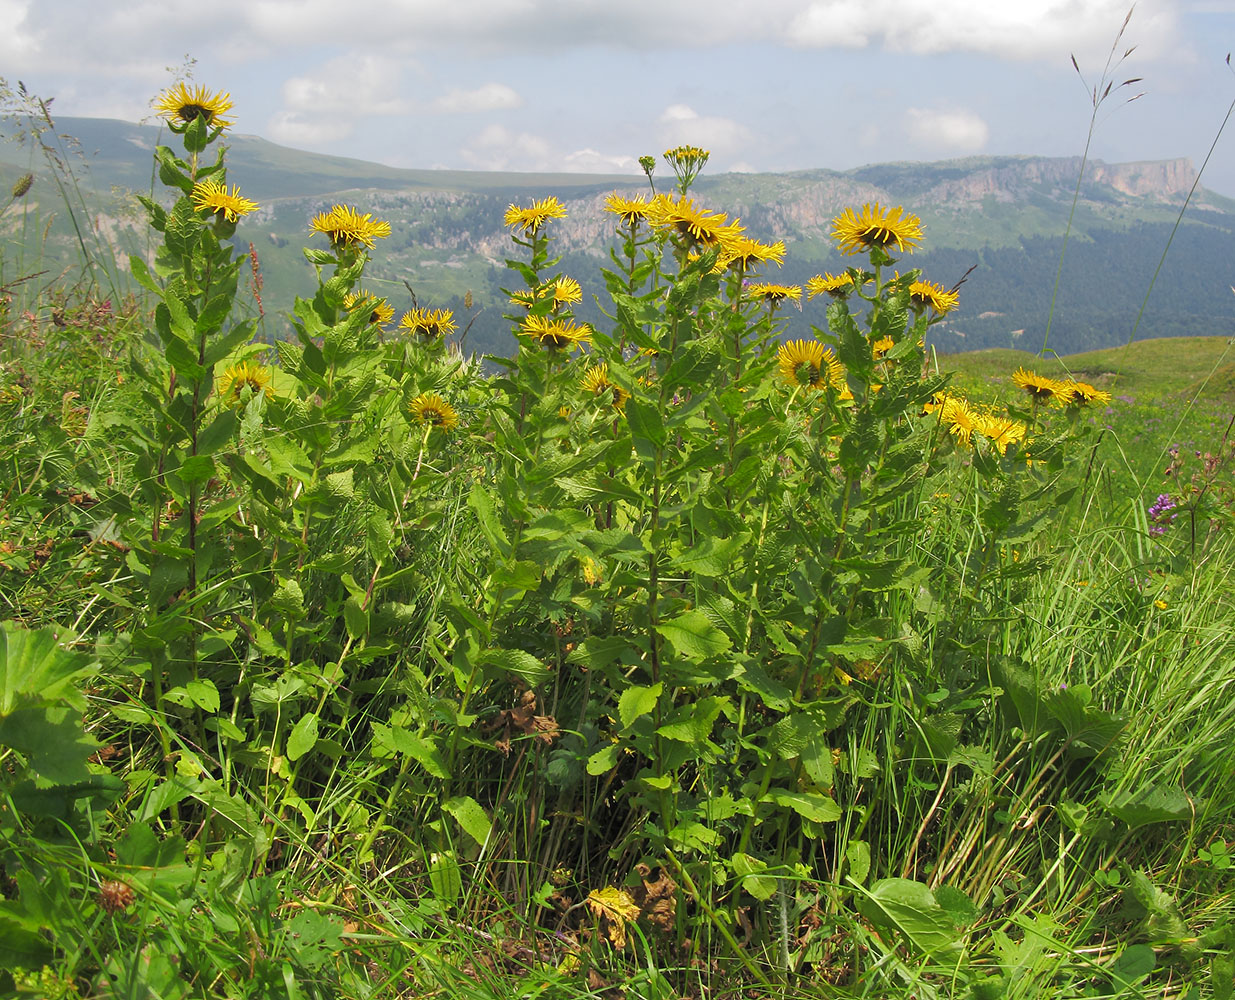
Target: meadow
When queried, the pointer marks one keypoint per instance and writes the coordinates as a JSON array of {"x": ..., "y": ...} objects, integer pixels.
[{"x": 675, "y": 659}]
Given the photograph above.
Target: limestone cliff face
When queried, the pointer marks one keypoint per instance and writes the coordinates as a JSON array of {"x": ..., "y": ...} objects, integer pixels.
[{"x": 1009, "y": 181}]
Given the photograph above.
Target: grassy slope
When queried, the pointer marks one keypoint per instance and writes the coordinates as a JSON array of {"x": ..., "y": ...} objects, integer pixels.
[{"x": 1201, "y": 367}]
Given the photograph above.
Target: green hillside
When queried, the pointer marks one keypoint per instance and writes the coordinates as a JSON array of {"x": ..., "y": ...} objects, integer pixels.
[{"x": 998, "y": 222}]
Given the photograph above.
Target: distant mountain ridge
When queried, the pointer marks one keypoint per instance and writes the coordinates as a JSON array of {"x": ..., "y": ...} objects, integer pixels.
[{"x": 1003, "y": 216}]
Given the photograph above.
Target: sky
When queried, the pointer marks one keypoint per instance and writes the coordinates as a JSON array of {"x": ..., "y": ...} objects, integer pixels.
[{"x": 589, "y": 86}]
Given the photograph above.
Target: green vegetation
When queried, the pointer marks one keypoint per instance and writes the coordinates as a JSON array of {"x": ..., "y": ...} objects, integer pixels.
[
  {"x": 673, "y": 659},
  {"x": 1002, "y": 216}
]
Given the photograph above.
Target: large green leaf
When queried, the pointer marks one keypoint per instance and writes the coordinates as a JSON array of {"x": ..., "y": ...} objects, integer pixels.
[
  {"x": 911, "y": 908},
  {"x": 693, "y": 635}
]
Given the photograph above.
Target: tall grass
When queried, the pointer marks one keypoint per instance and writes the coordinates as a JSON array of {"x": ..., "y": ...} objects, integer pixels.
[{"x": 673, "y": 660}]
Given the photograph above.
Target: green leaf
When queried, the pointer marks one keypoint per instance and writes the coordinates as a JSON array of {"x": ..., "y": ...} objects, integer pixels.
[
  {"x": 522, "y": 664},
  {"x": 33, "y": 663},
  {"x": 637, "y": 701},
  {"x": 1149, "y": 804},
  {"x": 355, "y": 618},
  {"x": 710, "y": 557},
  {"x": 203, "y": 694},
  {"x": 809, "y": 805},
  {"x": 912, "y": 908},
  {"x": 603, "y": 760},
  {"x": 486, "y": 516},
  {"x": 445, "y": 878},
  {"x": 692, "y": 723},
  {"x": 467, "y": 812},
  {"x": 303, "y": 737},
  {"x": 693, "y": 635},
  {"x": 750, "y": 873},
  {"x": 858, "y": 854}
]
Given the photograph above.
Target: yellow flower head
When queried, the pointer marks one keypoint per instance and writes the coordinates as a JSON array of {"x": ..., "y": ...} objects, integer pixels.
[
  {"x": 531, "y": 219},
  {"x": 428, "y": 323},
  {"x": 380, "y": 313},
  {"x": 596, "y": 381},
  {"x": 346, "y": 227},
  {"x": 875, "y": 226},
  {"x": 772, "y": 293},
  {"x": 881, "y": 347},
  {"x": 744, "y": 253},
  {"x": 1083, "y": 394},
  {"x": 523, "y": 297},
  {"x": 632, "y": 211},
  {"x": 1040, "y": 388},
  {"x": 184, "y": 104},
  {"x": 1001, "y": 431},
  {"x": 556, "y": 334},
  {"x": 929, "y": 295},
  {"x": 214, "y": 197},
  {"x": 565, "y": 291},
  {"x": 687, "y": 158},
  {"x": 960, "y": 419},
  {"x": 244, "y": 375},
  {"x": 430, "y": 408},
  {"x": 836, "y": 285},
  {"x": 808, "y": 363},
  {"x": 699, "y": 226}
]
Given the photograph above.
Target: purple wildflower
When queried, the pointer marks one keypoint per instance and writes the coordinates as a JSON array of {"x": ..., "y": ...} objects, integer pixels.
[{"x": 1159, "y": 514}]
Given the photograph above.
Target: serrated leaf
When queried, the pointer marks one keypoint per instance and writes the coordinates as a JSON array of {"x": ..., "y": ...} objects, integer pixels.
[
  {"x": 693, "y": 635},
  {"x": 518, "y": 662},
  {"x": 614, "y": 908},
  {"x": 637, "y": 701}
]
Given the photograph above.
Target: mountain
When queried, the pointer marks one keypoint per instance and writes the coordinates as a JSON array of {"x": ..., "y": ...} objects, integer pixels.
[{"x": 997, "y": 221}]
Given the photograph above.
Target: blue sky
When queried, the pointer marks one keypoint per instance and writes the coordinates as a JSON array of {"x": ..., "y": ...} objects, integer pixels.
[{"x": 584, "y": 85}]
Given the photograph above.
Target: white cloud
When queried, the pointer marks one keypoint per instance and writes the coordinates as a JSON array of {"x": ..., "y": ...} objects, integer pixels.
[
  {"x": 681, "y": 124},
  {"x": 957, "y": 131},
  {"x": 352, "y": 84},
  {"x": 294, "y": 128},
  {"x": 499, "y": 148},
  {"x": 590, "y": 161},
  {"x": 1025, "y": 29},
  {"x": 489, "y": 97}
]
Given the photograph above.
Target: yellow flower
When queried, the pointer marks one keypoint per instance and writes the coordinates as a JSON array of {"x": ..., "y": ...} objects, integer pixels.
[
  {"x": 214, "y": 197},
  {"x": 875, "y": 226},
  {"x": 687, "y": 219},
  {"x": 881, "y": 347},
  {"x": 346, "y": 227},
  {"x": 566, "y": 290},
  {"x": 1002, "y": 431},
  {"x": 185, "y": 104},
  {"x": 525, "y": 298},
  {"x": 836, "y": 285},
  {"x": 430, "y": 408},
  {"x": 380, "y": 313},
  {"x": 428, "y": 323},
  {"x": 928, "y": 294},
  {"x": 809, "y": 363},
  {"x": 631, "y": 210},
  {"x": 531, "y": 219},
  {"x": 556, "y": 334},
  {"x": 744, "y": 253},
  {"x": 689, "y": 159},
  {"x": 1040, "y": 388},
  {"x": 1160, "y": 605},
  {"x": 773, "y": 294},
  {"x": 960, "y": 419},
  {"x": 244, "y": 375},
  {"x": 596, "y": 381},
  {"x": 1082, "y": 393}
]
